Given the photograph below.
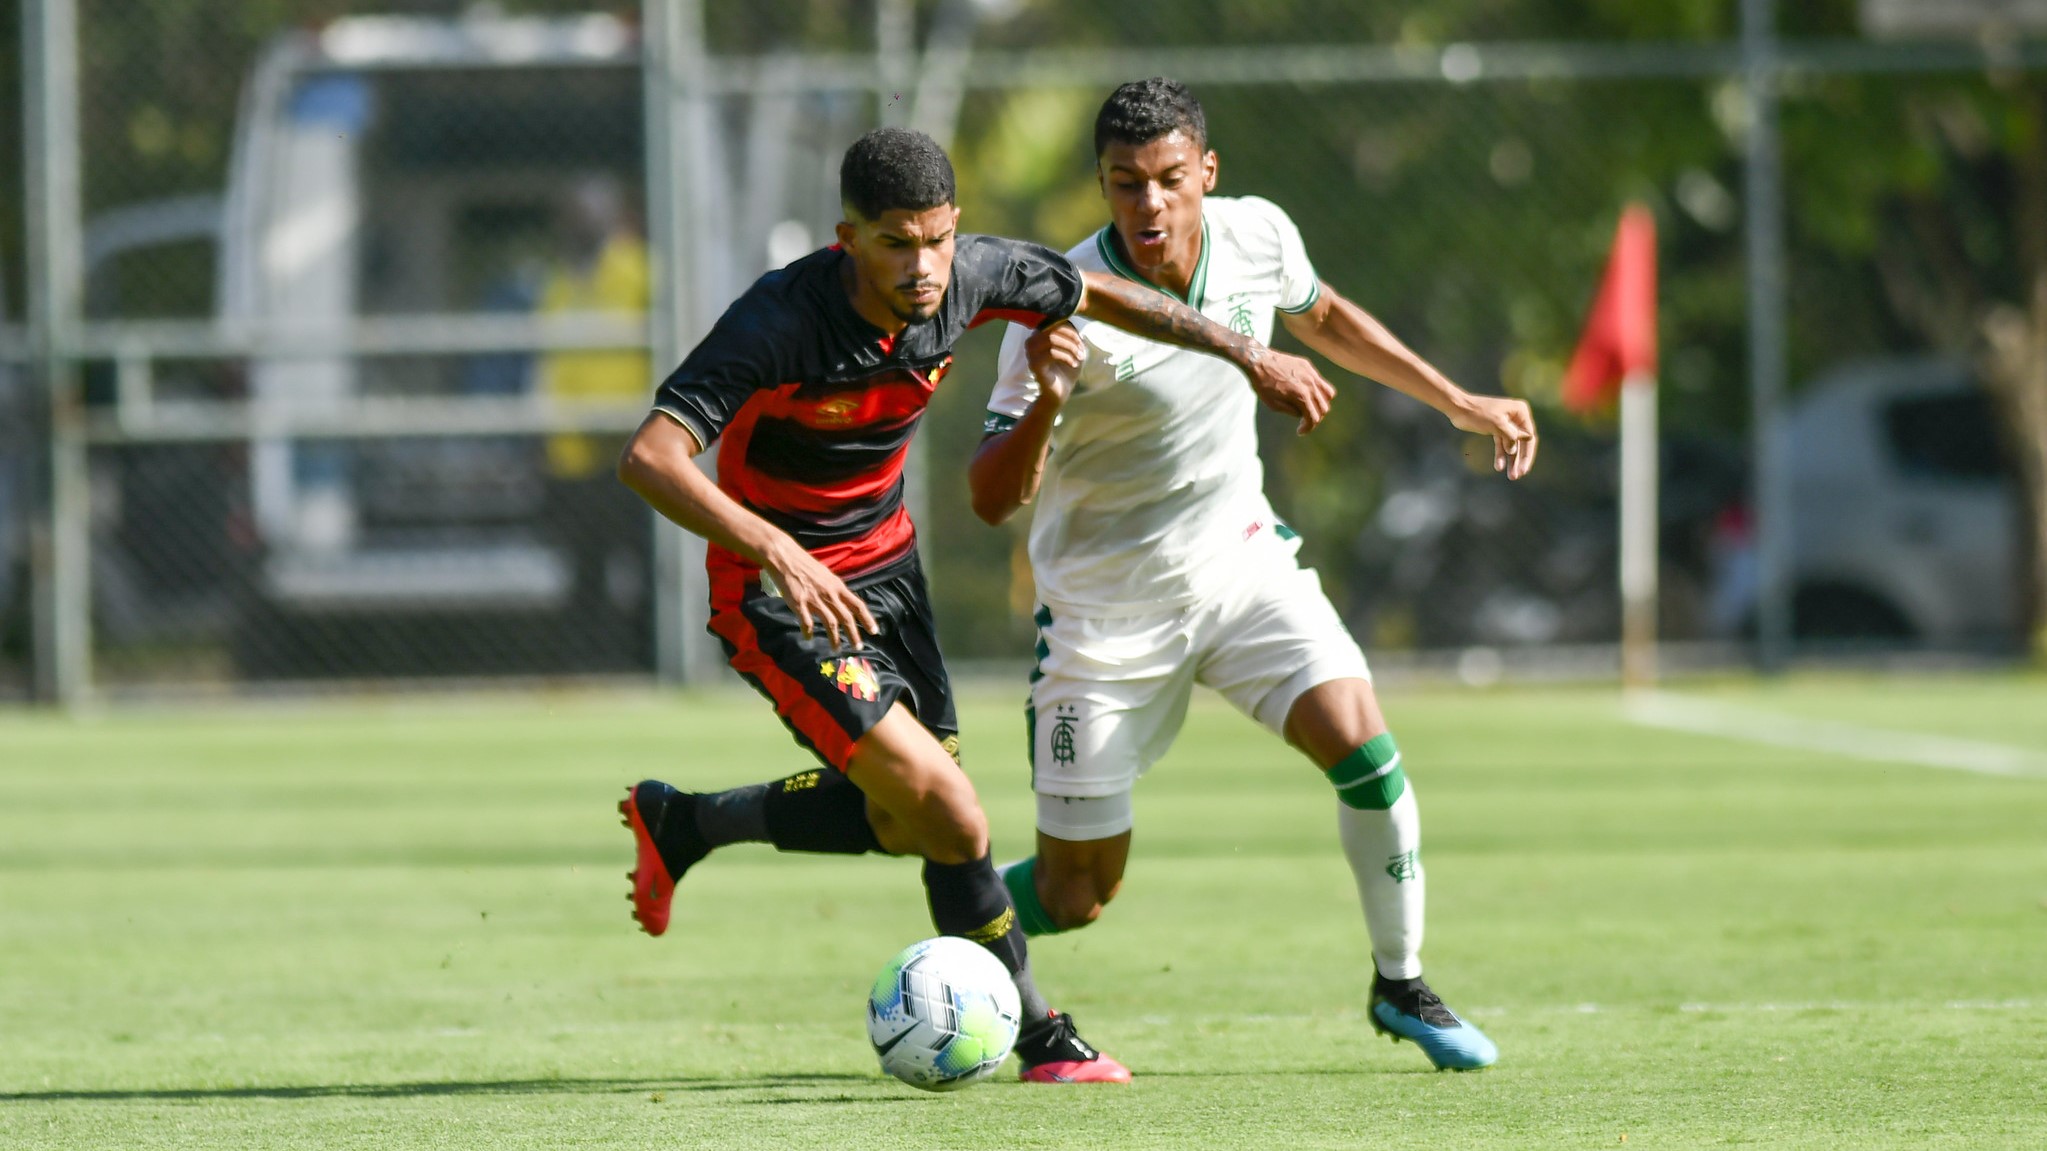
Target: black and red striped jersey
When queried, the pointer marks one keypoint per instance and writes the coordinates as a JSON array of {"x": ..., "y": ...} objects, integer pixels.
[{"x": 813, "y": 407}]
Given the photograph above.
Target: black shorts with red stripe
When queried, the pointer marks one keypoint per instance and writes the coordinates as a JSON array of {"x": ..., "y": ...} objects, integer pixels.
[{"x": 829, "y": 699}]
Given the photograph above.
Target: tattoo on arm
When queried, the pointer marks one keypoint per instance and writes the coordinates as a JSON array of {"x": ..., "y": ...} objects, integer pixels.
[{"x": 1153, "y": 314}]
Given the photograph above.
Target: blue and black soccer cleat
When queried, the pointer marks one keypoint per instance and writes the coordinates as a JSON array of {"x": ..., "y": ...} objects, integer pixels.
[{"x": 1407, "y": 1009}]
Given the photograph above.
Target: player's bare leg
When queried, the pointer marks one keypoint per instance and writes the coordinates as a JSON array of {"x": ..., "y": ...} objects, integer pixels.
[
  {"x": 1071, "y": 880},
  {"x": 903, "y": 794},
  {"x": 1332, "y": 719},
  {"x": 919, "y": 802},
  {"x": 1338, "y": 724},
  {"x": 926, "y": 805}
]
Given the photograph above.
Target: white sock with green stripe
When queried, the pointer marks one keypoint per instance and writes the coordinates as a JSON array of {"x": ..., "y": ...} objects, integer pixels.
[{"x": 1381, "y": 830}]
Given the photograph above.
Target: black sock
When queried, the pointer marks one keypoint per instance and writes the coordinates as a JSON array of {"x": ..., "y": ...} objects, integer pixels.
[
  {"x": 1034, "y": 1012},
  {"x": 819, "y": 811},
  {"x": 968, "y": 900},
  {"x": 736, "y": 816}
]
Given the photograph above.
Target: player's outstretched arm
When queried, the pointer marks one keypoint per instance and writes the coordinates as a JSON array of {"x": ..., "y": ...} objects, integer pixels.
[
  {"x": 1008, "y": 466},
  {"x": 660, "y": 464},
  {"x": 1353, "y": 339},
  {"x": 1284, "y": 383}
]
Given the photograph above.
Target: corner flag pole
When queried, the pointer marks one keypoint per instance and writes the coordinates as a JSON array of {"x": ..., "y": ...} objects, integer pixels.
[
  {"x": 1639, "y": 492},
  {"x": 1619, "y": 348}
]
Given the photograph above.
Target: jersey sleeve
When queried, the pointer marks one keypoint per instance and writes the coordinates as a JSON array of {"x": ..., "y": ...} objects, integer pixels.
[
  {"x": 719, "y": 375},
  {"x": 1017, "y": 281},
  {"x": 1016, "y": 389},
  {"x": 1299, "y": 287}
]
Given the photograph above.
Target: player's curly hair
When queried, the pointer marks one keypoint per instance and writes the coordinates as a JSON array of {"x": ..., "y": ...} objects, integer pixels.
[
  {"x": 891, "y": 168},
  {"x": 1144, "y": 110}
]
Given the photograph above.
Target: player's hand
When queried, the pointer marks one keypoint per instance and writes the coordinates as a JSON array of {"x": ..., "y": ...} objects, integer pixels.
[
  {"x": 1290, "y": 384},
  {"x": 817, "y": 595},
  {"x": 1055, "y": 353},
  {"x": 1510, "y": 424}
]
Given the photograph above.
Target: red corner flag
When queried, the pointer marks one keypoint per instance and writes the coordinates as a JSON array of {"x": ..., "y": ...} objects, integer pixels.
[{"x": 1620, "y": 335}]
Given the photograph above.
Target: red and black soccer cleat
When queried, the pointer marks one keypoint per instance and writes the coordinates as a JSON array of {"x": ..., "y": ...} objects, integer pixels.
[
  {"x": 660, "y": 817},
  {"x": 1055, "y": 1053}
]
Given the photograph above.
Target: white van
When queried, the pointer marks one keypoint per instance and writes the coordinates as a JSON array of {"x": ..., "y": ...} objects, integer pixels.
[{"x": 393, "y": 167}]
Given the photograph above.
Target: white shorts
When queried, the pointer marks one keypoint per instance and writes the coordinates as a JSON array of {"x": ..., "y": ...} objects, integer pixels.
[{"x": 1111, "y": 693}]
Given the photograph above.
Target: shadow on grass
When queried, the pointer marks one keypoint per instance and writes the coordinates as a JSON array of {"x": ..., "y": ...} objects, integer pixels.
[
  {"x": 1295, "y": 1072},
  {"x": 585, "y": 1087},
  {"x": 465, "y": 1087}
]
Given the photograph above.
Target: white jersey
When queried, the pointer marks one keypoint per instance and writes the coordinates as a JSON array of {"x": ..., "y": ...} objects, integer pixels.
[{"x": 1154, "y": 486}]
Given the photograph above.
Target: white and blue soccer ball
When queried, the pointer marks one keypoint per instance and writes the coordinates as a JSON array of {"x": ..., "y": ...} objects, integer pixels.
[{"x": 943, "y": 1014}]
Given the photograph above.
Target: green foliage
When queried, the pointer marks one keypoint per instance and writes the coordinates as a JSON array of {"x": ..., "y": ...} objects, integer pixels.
[
  {"x": 1472, "y": 218},
  {"x": 400, "y": 925},
  {"x": 1411, "y": 22},
  {"x": 13, "y": 235}
]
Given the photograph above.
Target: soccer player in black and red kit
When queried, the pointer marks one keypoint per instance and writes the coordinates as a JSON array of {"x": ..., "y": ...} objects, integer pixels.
[{"x": 812, "y": 384}]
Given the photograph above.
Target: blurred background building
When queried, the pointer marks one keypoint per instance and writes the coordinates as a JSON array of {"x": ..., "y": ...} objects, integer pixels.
[{"x": 321, "y": 322}]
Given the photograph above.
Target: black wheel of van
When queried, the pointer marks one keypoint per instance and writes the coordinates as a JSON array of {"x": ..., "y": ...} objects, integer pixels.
[{"x": 1835, "y": 611}]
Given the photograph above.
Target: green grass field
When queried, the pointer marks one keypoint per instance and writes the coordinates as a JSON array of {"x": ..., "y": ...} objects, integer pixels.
[{"x": 331, "y": 926}]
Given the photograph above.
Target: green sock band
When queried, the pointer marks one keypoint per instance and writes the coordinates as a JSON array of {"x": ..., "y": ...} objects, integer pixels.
[
  {"x": 1022, "y": 881},
  {"x": 1370, "y": 778}
]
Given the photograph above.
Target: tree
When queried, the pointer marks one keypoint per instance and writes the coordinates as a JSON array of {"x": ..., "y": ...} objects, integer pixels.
[
  {"x": 1472, "y": 218},
  {"x": 1939, "y": 188}
]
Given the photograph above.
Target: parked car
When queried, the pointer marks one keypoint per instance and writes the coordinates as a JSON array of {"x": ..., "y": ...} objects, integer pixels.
[
  {"x": 1904, "y": 532},
  {"x": 1455, "y": 557},
  {"x": 1904, "y": 517}
]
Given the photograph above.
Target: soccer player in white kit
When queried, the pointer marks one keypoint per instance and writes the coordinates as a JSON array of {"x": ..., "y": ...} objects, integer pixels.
[{"x": 1160, "y": 564}]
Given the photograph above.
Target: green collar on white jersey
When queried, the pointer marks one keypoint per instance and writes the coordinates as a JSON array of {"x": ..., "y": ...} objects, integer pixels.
[{"x": 1197, "y": 288}]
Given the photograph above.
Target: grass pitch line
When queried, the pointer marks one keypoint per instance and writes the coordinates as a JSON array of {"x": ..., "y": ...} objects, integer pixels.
[{"x": 1874, "y": 744}]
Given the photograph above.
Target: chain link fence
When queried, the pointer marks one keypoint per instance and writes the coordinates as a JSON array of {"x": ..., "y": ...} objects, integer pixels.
[
  {"x": 365, "y": 304},
  {"x": 1471, "y": 219},
  {"x": 430, "y": 495},
  {"x": 1917, "y": 206}
]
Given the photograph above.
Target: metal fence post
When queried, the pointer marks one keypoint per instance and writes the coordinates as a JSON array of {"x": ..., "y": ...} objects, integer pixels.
[
  {"x": 664, "y": 318},
  {"x": 895, "y": 57},
  {"x": 676, "y": 109},
  {"x": 62, "y": 562},
  {"x": 1764, "y": 194}
]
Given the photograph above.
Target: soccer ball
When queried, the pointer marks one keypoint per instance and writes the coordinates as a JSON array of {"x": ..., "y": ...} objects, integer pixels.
[{"x": 943, "y": 1014}]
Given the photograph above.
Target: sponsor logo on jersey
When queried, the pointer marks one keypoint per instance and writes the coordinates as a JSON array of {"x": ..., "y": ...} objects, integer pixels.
[
  {"x": 836, "y": 413},
  {"x": 854, "y": 676},
  {"x": 1253, "y": 528},
  {"x": 803, "y": 782}
]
